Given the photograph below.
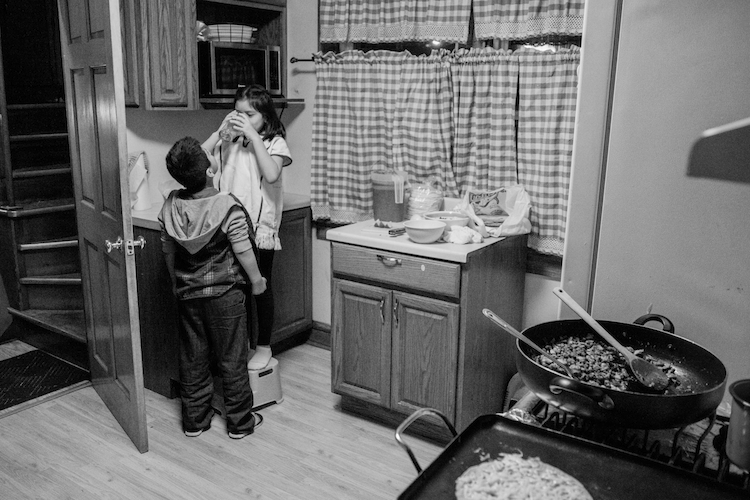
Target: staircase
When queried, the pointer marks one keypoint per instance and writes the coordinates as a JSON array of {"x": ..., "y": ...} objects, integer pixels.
[
  {"x": 42, "y": 271},
  {"x": 40, "y": 268}
]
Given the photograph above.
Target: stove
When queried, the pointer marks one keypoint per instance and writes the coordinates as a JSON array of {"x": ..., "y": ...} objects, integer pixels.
[{"x": 698, "y": 447}]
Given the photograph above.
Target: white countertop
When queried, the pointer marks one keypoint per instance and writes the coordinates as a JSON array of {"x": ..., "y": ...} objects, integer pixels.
[
  {"x": 148, "y": 218},
  {"x": 367, "y": 235}
]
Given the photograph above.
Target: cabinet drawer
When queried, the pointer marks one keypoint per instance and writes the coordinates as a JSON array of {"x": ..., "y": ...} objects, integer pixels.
[{"x": 415, "y": 273}]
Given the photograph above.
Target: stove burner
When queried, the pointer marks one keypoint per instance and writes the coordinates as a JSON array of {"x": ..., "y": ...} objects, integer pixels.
[{"x": 698, "y": 447}]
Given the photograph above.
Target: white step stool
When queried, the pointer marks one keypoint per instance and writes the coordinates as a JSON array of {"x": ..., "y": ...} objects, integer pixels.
[{"x": 266, "y": 385}]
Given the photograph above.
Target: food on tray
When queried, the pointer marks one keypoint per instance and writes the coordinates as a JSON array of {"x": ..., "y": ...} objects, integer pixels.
[
  {"x": 596, "y": 362},
  {"x": 513, "y": 477}
]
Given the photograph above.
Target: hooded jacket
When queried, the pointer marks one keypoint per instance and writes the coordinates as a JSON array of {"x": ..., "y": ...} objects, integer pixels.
[{"x": 204, "y": 230}]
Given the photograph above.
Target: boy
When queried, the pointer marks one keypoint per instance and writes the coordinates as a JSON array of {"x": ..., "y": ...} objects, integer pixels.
[{"x": 207, "y": 245}]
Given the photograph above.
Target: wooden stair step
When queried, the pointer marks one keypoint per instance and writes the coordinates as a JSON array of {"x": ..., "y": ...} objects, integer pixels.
[
  {"x": 38, "y": 137},
  {"x": 48, "y": 245},
  {"x": 71, "y": 323},
  {"x": 49, "y": 170},
  {"x": 38, "y": 207},
  {"x": 62, "y": 279}
]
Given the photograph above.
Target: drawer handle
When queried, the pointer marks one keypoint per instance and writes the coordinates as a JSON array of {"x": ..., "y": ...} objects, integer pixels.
[{"x": 389, "y": 261}]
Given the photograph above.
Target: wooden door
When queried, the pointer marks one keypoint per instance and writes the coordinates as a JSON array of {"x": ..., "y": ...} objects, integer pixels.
[
  {"x": 425, "y": 354},
  {"x": 93, "y": 74},
  {"x": 361, "y": 344}
]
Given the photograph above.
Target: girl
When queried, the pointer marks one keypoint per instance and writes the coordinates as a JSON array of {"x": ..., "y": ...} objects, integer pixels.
[{"x": 250, "y": 168}]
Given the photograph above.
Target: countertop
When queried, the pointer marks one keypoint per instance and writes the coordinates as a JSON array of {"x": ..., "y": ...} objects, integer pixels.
[
  {"x": 367, "y": 235},
  {"x": 148, "y": 218}
]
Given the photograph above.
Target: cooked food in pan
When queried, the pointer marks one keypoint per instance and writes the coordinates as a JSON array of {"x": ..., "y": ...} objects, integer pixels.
[
  {"x": 513, "y": 477},
  {"x": 594, "y": 361}
]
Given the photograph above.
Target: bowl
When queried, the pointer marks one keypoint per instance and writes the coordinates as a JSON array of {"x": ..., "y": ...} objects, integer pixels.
[
  {"x": 235, "y": 33},
  {"x": 450, "y": 218},
  {"x": 424, "y": 231}
]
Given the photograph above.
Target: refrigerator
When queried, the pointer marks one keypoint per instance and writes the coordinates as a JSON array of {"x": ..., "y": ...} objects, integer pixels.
[{"x": 642, "y": 234}]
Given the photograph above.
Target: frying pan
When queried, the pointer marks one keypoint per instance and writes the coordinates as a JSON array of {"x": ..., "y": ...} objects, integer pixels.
[{"x": 702, "y": 377}]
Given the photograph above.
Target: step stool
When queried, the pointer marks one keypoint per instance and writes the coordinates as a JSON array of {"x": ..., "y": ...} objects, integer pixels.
[{"x": 266, "y": 385}]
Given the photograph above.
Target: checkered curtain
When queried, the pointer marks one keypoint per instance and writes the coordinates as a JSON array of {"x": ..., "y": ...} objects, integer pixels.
[
  {"x": 548, "y": 86},
  {"x": 525, "y": 19},
  {"x": 389, "y": 21},
  {"x": 485, "y": 88},
  {"x": 372, "y": 111}
]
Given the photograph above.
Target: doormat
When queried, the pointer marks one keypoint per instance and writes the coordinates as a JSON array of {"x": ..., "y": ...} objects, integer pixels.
[{"x": 34, "y": 374}]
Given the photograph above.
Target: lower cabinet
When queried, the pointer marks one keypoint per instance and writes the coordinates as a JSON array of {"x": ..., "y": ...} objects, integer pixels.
[
  {"x": 399, "y": 349},
  {"x": 408, "y": 332},
  {"x": 292, "y": 281}
]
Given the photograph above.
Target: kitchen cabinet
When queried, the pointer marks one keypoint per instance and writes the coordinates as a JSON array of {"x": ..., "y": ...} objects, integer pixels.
[
  {"x": 169, "y": 60},
  {"x": 292, "y": 281},
  {"x": 160, "y": 46},
  {"x": 408, "y": 331}
]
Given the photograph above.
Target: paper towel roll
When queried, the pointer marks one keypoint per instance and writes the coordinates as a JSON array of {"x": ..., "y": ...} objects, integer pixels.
[{"x": 139, "y": 190}]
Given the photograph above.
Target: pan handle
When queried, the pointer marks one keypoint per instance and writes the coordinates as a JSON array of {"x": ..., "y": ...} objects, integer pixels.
[
  {"x": 560, "y": 384},
  {"x": 410, "y": 420},
  {"x": 667, "y": 325}
]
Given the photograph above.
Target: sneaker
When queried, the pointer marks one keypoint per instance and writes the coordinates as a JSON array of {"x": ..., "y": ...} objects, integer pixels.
[
  {"x": 240, "y": 435},
  {"x": 196, "y": 433}
]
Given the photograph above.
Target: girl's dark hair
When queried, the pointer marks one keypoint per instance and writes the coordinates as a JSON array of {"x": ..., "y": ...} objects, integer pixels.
[
  {"x": 260, "y": 100},
  {"x": 187, "y": 163}
]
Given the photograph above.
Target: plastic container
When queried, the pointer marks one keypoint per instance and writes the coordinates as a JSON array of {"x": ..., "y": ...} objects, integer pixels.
[
  {"x": 425, "y": 197},
  {"x": 388, "y": 195}
]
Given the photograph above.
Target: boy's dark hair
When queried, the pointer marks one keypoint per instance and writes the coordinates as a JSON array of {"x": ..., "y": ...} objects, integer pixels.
[
  {"x": 187, "y": 163},
  {"x": 259, "y": 98}
]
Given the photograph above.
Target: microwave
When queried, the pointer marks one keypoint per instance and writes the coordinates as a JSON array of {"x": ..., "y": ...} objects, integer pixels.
[{"x": 225, "y": 66}]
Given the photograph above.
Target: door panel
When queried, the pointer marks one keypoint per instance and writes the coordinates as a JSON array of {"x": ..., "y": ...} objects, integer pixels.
[
  {"x": 92, "y": 66},
  {"x": 361, "y": 348},
  {"x": 425, "y": 354}
]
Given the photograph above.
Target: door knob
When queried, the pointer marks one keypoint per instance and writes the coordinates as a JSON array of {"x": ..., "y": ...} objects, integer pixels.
[{"x": 117, "y": 245}]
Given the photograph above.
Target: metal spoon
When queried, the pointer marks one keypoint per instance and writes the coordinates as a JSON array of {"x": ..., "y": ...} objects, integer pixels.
[
  {"x": 506, "y": 326},
  {"x": 647, "y": 374}
]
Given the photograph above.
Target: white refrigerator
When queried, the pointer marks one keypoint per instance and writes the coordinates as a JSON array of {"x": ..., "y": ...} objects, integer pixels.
[{"x": 642, "y": 233}]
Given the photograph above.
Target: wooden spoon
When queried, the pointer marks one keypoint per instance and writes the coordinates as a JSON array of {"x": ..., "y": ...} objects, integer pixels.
[
  {"x": 506, "y": 326},
  {"x": 647, "y": 374}
]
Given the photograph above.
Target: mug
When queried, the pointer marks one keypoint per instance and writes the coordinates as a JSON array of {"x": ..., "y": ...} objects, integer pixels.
[{"x": 738, "y": 435}]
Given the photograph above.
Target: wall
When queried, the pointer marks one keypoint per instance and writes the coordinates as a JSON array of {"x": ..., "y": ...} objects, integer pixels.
[
  {"x": 664, "y": 238},
  {"x": 155, "y": 131}
]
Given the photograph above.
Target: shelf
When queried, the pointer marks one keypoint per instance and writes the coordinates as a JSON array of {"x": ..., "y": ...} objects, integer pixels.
[{"x": 228, "y": 102}]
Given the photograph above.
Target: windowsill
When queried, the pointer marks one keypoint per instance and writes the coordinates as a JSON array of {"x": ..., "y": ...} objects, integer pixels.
[{"x": 548, "y": 266}]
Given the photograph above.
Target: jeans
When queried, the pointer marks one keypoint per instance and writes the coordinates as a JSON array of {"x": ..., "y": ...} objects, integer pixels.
[{"x": 215, "y": 329}]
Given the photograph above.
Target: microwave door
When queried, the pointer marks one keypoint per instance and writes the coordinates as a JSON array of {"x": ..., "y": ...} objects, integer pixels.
[{"x": 235, "y": 65}]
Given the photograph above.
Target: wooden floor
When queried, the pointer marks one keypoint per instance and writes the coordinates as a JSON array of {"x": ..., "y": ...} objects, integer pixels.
[{"x": 307, "y": 448}]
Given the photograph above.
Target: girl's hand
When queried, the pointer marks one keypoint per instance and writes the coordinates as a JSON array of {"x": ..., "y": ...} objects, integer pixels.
[{"x": 242, "y": 124}]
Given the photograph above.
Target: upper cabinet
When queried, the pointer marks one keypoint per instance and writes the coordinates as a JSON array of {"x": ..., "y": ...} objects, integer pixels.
[
  {"x": 169, "y": 54},
  {"x": 160, "y": 46}
]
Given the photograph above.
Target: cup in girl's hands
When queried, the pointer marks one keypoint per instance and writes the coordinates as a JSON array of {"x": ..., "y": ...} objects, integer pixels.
[{"x": 228, "y": 133}]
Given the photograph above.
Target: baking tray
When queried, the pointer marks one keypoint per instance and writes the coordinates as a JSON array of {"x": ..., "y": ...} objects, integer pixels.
[{"x": 606, "y": 472}]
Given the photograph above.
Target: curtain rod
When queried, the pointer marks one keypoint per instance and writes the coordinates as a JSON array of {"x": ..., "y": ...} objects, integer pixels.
[{"x": 296, "y": 60}]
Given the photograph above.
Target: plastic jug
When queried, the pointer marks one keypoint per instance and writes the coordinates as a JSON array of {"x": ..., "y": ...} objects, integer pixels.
[{"x": 388, "y": 195}]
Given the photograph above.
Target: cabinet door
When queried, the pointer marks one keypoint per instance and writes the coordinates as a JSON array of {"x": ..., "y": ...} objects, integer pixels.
[
  {"x": 361, "y": 341},
  {"x": 425, "y": 354},
  {"x": 170, "y": 63},
  {"x": 130, "y": 31},
  {"x": 292, "y": 276}
]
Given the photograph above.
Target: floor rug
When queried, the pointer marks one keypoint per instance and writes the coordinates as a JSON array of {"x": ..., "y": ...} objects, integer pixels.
[{"x": 34, "y": 374}]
